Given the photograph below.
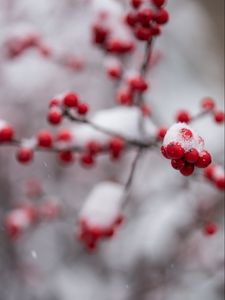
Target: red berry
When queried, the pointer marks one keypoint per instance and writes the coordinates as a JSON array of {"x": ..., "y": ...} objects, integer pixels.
[
  {"x": 114, "y": 72},
  {"x": 87, "y": 160},
  {"x": 187, "y": 170},
  {"x": 164, "y": 152},
  {"x": 6, "y": 134},
  {"x": 143, "y": 34},
  {"x": 64, "y": 135},
  {"x": 155, "y": 30},
  {"x": 131, "y": 19},
  {"x": 54, "y": 116},
  {"x": 162, "y": 17},
  {"x": 24, "y": 155},
  {"x": 136, "y": 3},
  {"x": 138, "y": 83},
  {"x": 66, "y": 156},
  {"x": 219, "y": 116},
  {"x": 45, "y": 139},
  {"x": 70, "y": 100},
  {"x": 124, "y": 97},
  {"x": 177, "y": 164},
  {"x": 100, "y": 34},
  {"x": 210, "y": 228},
  {"x": 93, "y": 147},
  {"x": 191, "y": 156},
  {"x": 161, "y": 133},
  {"x": 116, "y": 146},
  {"x": 144, "y": 16},
  {"x": 186, "y": 133},
  {"x": 183, "y": 116},
  {"x": 158, "y": 3},
  {"x": 220, "y": 182},
  {"x": 82, "y": 108},
  {"x": 174, "y": 150},
  {"x": 204, "y": 160},
  {"x": 208, "y": 103}
]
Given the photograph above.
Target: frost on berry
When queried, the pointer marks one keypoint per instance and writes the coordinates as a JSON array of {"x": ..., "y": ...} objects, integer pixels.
[
  {"x": 101, "y": 214},
  {"x": 186, "y": 149}
]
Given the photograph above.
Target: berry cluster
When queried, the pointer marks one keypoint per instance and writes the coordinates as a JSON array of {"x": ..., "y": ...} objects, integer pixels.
[
  {"x": 216, "y": 175},
  {"x": 146, "y": 20},
  {"x": 24, "y": 217},
  {"x": 208, "y": 106},
  {"x": 68, "y": 101},
  {"x": 104, "y": 36},
  {"x": 185, "y": 148},
  {"x": 99, "y": 220}
]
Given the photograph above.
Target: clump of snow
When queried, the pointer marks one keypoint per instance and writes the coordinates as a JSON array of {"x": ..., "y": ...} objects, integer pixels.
[
  {"x": 184, "y": 135},
  {"x": 103, "y": 205}
]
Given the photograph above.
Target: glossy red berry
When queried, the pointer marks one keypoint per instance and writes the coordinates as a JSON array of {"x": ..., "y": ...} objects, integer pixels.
[
  {"x": 66, "y": 156},
  {"x": 64, "y": 135},
  {"x": 208, "y": 103},
  {"x": 143, "y": 34},
  {"x": 138, "y": 83},
  {"x": 82, "y": 108},
  {"x": 177, "y": 164},
  {"x": 183, "y": 116},
  {"x": 24, "y": 155},
  {"x": 70, "y": 100},
  {"x": 131, "y": 19},
  {"x": 54, "y": 116},
  {"x": 219, "y": 117},
  {"x": 162, "y": 16},
  {"x": 174, "y": 150},
  {"x": 204, "y": 159},
  {"x": 87, "y": 160},
  {"x": 187, "y": 170},
  {"x": 93, "y": 147},
  {"x": 155, "y": 30},
  {"x": 116, "y": 146},
  {"x": 144, "y": 16},
  {"x": 6, "y": 134},
  {"x": 191, "y": 156},
  {"x": 45, "y": 139},
  {"x": 164, "y": 152},
  {"x": 124, "y": 96},
  {"x": 210, "y": 229}
]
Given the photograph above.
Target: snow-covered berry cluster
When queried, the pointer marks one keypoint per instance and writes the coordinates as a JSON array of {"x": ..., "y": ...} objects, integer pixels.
[
  {"x": 146, "y": 18},
  {"x": 185, "y": 148},
  {"x": 101, "y": 214},
  {"x": 216, "y": 175}
]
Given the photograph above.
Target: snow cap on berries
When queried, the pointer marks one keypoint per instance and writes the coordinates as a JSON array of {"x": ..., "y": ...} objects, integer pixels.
[
  {"x": 103, "y": 205},
  {"x": 184, "y": 135}
]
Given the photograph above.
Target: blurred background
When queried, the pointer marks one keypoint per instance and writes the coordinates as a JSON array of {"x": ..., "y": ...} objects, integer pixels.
[{"x": 158, "y": 254}]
